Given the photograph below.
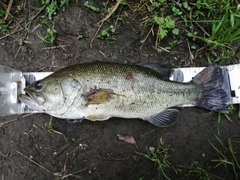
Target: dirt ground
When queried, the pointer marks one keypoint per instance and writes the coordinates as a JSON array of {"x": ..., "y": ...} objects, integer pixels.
[{"x": 91, "y": 150}]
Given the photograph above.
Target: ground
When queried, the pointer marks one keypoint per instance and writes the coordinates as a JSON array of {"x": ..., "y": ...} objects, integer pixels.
[{"x": 92, "y": 150}]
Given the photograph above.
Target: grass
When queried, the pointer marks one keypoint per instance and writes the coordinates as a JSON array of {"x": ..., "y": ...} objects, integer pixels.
[
  {"x": 159, "y": 156},
  {"x": 197, "y": 172},
  {"x": 50, "y": 36},
  {"x": 215, "y": 23},
  {"x": 225, "y": 33},
  {"x": 107, "y": 33},
  {"x": 155, "y": 18},
  {"x": 51, "y": 7},
  {"x": 224, "y": 159},
  {"x": 226, "y": 115},
  {"x": 3, "y": 25},
  {"x": 90, "y": 5},
  {"x": 50, "y": 128},
  {"x": 227, "y": 155}
]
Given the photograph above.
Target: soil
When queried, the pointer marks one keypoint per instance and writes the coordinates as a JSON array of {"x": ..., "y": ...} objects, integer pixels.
[{"x": 92, "y": 150}]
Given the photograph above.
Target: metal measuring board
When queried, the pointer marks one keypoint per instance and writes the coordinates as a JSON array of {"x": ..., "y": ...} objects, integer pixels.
[
  {"x": 12, "y": 83},
  {"x": 231, "y": 76}
]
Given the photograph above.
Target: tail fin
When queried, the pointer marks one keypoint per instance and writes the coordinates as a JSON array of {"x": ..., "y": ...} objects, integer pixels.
[{"x": 215, "y": 92}]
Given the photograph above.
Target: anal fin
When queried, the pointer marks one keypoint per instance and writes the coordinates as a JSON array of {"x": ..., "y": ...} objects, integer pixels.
[
  {"x": 165, "y": 118},
  {"x": 98, "y": 117}
]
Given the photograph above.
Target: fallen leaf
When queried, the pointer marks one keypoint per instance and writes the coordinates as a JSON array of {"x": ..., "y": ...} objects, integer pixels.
[{"x": 128, "y": 139}]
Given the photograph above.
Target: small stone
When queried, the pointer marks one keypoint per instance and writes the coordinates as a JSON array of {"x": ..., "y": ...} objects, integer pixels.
[{"x": 152, "y": 149}]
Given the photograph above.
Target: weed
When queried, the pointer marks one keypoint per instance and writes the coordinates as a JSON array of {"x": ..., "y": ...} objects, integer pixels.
[
  {"x": 226, "y": 157},
  {"x": 164, "y": 24},
  {"x": 52, "y": 6},
  {"x": 224, "y": 32},
  {"x": 106, "y": 34},
  {"x": 50, "y": 128},
  {"x": 215, "y": 23},
  {"x": 159, "y": 157},
  {"x": 51, "y": 35},
  {"x": 3, "y": 25},
  {"x": 197, "y": 172},
  {"x": 236, "y": 168},
  {"x": 226, "y": 115},
  {"x": 89, "y": 4},
  {"x": 156, "y": 18},
  {"x": 80, "y": 35},
  {"x": 63, "y": 4},
  {"x": 20, "y": 41},
  {"x": 224, "y": 25}
]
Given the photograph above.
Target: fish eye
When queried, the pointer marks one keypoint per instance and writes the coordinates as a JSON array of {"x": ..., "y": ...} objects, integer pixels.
[{"x": 38, "y": 85}]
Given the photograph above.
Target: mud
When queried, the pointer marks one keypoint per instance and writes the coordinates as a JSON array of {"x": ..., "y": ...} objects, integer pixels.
[{"x": 29, "y": 149}]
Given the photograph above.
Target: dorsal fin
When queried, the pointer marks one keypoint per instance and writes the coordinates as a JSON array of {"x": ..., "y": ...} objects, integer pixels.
[{"x": 164, "y": 71}]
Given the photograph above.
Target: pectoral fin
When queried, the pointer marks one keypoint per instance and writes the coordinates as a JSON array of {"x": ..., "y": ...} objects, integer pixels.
[
  {"x": 98, "y": 117},
  {"x": 165, "y": 118}
]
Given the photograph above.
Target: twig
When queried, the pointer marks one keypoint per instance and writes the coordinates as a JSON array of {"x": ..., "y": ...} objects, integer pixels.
[
  {"x": 55, "y": 47},
  {"x": 10, "y": 121},
  {"x": 114, "y": 8},
  {"x": 162, "y": 48},
  {"x": 193, "y": 20},
  {"x": 143, "y": 41},
  {"x": 27, "y": 26},
  {"x": 96, "y": 34},
  {"x": 79, "y": 14},
  {"x": 11, "y": 33},
  {"x": 71, "y": 174},
  {"x": 147, "y": 133},
  {"x": 156, "y": 41},
  {"x": 62, "y": 46},
  {"x": 8, "y": 9},
  {"x": 63, "y": 148},
  {"x": 34, "y": 162},
  {"x": 6, "y": 122},
  {"x": 103, "y": 54},
  {"x": 190, "y": 53},
  {"x": 17, "y": 52},
  {"x": 30, "y": 22}
]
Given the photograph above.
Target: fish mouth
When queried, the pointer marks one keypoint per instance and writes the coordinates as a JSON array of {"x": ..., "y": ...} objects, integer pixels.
[
  {"x": 30, "y": 101},
  {"x": 35, "y": 97},
  {"x": 30, "y": 96}
]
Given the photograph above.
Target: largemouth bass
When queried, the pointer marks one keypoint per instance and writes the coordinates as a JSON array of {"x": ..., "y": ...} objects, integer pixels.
[{"x": 101, "y": 90}]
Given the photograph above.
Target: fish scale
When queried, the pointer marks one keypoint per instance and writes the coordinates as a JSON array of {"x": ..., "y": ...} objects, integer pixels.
[{"x": 100, "y": 90}]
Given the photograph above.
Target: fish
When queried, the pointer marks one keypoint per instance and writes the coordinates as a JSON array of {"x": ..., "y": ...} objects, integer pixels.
[{"x": 97, "y": 91}]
